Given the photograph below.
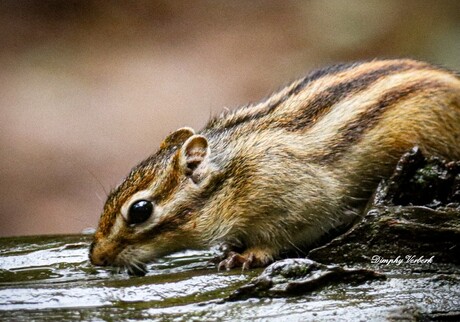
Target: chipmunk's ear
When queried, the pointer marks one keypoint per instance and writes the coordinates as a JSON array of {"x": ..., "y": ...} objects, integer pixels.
[
  {"x": 177, "y": 138},
  {"x": 194, "y": 157}
]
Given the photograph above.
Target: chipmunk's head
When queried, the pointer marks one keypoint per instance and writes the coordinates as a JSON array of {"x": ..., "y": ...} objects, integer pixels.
[{"x": 152, "y": 213}]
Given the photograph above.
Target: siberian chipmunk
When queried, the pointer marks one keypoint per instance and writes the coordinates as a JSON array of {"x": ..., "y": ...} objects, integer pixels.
[{"x": 276, "y": 176}]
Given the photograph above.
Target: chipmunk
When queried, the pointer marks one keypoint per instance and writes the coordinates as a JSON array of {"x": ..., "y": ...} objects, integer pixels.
[{"x": 278, "y": 175}]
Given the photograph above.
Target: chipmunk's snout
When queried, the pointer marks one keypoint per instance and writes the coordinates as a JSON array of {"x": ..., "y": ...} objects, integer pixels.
[
  {"x": 97, "y": 256},
  {"x": 101, "y": 254}
]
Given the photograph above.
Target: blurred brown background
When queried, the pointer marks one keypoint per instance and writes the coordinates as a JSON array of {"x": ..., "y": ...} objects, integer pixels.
[{"x": 89, "y": 88}]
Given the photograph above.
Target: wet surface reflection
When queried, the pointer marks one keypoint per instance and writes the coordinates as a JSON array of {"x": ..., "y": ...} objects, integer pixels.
[{"x": 50, "y": 278}]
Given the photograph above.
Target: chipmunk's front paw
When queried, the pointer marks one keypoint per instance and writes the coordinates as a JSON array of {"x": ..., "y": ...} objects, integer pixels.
[{"x": 251, "y": 258}]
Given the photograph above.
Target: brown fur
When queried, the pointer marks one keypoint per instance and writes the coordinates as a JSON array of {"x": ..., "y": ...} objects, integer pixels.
[{"x": 278, "y": 175}]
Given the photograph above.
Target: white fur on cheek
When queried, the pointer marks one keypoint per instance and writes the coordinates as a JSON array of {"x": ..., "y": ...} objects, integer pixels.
[{"x": 118, "y": 225}]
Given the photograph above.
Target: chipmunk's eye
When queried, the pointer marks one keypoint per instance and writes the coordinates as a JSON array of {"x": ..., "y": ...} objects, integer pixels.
[{"x": 139, "y": 212}]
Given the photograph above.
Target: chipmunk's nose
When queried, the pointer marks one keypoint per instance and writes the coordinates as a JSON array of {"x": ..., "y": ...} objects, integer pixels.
[{"x": 96, "y": 256}]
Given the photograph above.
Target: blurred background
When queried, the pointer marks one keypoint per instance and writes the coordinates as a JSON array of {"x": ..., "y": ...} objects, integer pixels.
[{"x": 90, "y": 88}]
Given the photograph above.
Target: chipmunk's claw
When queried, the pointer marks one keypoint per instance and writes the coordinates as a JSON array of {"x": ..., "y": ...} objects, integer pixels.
[
  {"x": 247, "y": 260},
  {"x": 234, "y": 260}
]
